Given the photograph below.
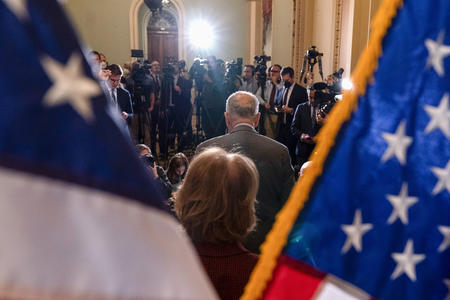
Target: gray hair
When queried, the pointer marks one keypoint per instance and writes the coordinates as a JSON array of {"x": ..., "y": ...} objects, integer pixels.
[{"x": 243, "y": 105}]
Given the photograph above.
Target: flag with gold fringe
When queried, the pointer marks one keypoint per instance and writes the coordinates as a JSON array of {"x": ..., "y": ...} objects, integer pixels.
[{"x": 377, "y": 219}]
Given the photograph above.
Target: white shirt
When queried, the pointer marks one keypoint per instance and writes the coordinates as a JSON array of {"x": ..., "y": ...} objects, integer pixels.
[{"x": 267, "y": 92}]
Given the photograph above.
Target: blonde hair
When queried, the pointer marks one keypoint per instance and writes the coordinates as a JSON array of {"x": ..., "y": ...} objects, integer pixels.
[{"x": 216, "y": 203}]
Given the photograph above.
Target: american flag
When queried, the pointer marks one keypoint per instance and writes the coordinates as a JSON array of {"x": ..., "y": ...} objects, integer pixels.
[
  {"x": 80, "y": 216},
  {"x": 379, "y": 216}
]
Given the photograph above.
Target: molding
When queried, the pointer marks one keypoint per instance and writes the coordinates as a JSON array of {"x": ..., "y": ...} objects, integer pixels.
[
  {"x": 337, "y": 35},
  {"x": 298, "y": 35},
  {"x": 135, "y": 27},
  {"x": 144, "y": 34}
]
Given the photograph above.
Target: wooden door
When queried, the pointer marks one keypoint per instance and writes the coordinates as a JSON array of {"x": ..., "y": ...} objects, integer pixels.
[
  {"x": 162, "y": 36},
  {"x": 162, "y": 44}
]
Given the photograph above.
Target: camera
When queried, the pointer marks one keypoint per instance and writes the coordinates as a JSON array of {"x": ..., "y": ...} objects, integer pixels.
[
  {"x": 233, "y": 71},
  {"x": 168, "y": 69},
  {"x": 181, "y": 66},
  {"x": 138, "y": 85},
  {"x": 261, "y": 68},
  {"x": 233, "y": 68},
  {"x": 197, "y": 71},
  {"x": 148, "y": 160},
  {"x": 139, "y": 72},
  {"x": 336, "y": 87}
]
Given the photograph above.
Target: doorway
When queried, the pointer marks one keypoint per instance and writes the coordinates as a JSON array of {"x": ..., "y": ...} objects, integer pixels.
[{"x": 162, "y": 36}]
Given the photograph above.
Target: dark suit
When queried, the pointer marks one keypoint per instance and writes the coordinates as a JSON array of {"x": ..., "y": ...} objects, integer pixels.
[
  {"x": 182, "y": 111},
  {"x": 284, "y": 136},
  {"x": 304, "y": 123},
  {"x": 276, "y": 176},
  {"x": 155, "y": 118},
  {"x": 124, "y": 102}
]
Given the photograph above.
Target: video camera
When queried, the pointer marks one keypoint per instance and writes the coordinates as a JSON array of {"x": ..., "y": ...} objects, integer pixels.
[
  {"x": 197, "y": 71},
  {"x": 168, "y": 69},
  {"x": 324, "y": 100},
  {"x": 233, "y": 68},
  {"x": 233, "y": 71},
  {"x": 336, "y": 87},
  {"x": 139, "y": 72},
  {"x": 261, "y": 68}
]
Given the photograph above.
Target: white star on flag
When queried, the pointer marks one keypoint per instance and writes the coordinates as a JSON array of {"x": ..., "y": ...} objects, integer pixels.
[
  {"x": 406, "y": 262},
  {"x": 400, "y": 205},
  {"x": 18, "y": 7},
  {"x": 445, "y": 230},
  {"x": 70, "y": 85},
  {"x": 440, "y": 117},
  {"x": 443, "y": 176},
  {"x": 398, "y": 143},
  {"x": 437, "y": 52},
  {"x": 354, "y": 233}
]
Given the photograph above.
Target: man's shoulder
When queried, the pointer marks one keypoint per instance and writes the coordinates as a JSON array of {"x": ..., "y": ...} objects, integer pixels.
[
  {"x": 123, "y": 90},
  {"x": 299, "y": 88},
  {"x": 257, "y": 141},
  {"x": 216, "y": 141},
  {"x": 272, "y": 146}
]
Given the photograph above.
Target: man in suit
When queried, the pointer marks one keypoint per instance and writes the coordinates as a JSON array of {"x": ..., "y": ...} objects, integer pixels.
[
  {"x": 155, "y": 78},
  {"x": 181, "y": 98},
  {"x": 120, "y": 97},
  {"x": 292, "y": 95},
  {"x": 276, "y": 176},
  {"x": 306, "y": 124}
]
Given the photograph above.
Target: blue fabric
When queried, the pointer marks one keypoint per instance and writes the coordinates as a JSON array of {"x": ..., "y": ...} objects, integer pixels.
[
  {"x": 355, "y": 178},
  {"x": 57, "y": 141}
]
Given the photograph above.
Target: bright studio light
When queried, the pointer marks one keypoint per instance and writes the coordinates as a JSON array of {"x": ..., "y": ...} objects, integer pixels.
[
  {"x": 347, "y": 84},
  {"x": 201, "y": 34}
]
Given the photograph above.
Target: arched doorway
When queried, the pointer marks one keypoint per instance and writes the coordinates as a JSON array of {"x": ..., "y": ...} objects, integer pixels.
[
  {"x": 162, "y": 36},
  {"x": 139, "y": 18}
]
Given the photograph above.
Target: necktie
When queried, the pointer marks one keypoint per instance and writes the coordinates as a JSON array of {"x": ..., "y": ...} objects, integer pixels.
[
  {"x": 284, "y": 103},
  {"x": 285, "y": 97},
  {"x": 272, "y": 96},
  {"x": 113, "y": 96},
  {"x": 156, "y": 81},
  {"x": 313, "y": 115}
]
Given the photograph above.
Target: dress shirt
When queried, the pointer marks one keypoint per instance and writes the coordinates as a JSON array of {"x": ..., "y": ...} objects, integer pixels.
[{"x": 267, "y": 92}]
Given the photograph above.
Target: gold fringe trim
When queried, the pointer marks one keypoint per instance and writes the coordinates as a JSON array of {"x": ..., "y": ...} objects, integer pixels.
[{"x": 276, "y": 239}]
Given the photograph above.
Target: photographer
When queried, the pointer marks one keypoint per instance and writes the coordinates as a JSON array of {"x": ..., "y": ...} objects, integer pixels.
[
  {"x": 181, "y": 113},
  {"x": 156, "y": 171},
  {"x": 143, "y": 97},
  {"x": 154, "y": 75},
  {"x": 212, "y": 100},
  {"x": 272, "y": 93}
]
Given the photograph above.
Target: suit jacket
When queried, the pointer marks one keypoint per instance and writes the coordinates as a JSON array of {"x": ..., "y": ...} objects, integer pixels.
[
  {"x": 298, "y": 96},
  {"x": 124, "y": 102},
  {"x": 303, "y": 123},
  {"x": 276, "y": 176},
  {"x": 228, "y": 265}
]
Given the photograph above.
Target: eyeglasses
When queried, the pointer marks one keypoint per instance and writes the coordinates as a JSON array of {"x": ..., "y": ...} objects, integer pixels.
[{"x": 275, "y": 71}]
